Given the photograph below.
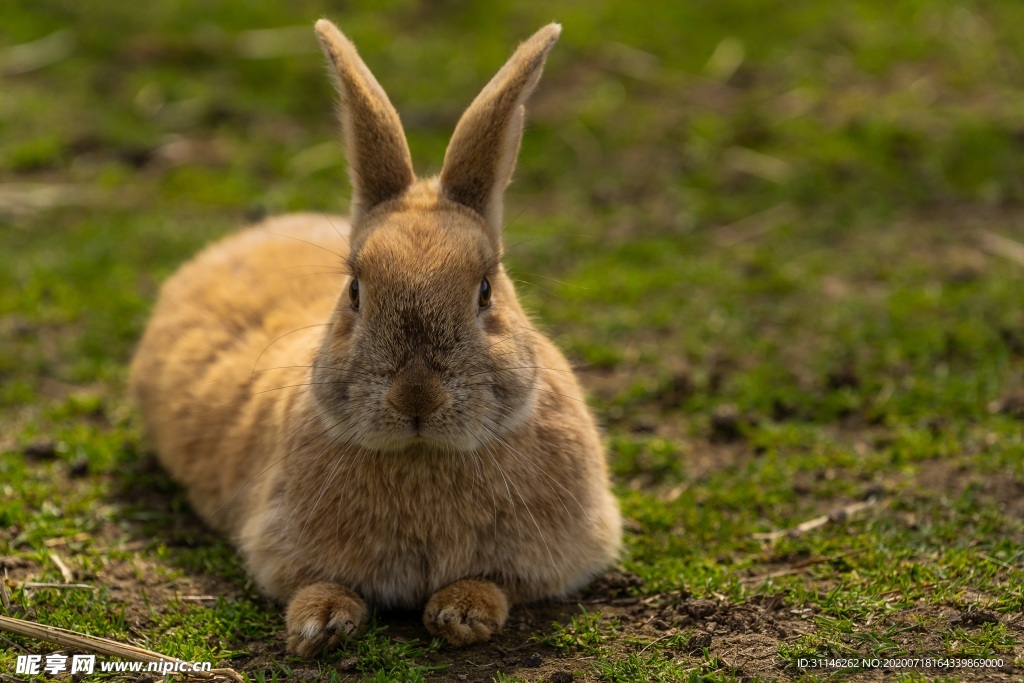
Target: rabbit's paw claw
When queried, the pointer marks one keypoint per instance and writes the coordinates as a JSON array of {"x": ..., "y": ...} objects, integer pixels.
[
  {"x": 466, "y": 612},
  {"x": 322, "y": 615}
]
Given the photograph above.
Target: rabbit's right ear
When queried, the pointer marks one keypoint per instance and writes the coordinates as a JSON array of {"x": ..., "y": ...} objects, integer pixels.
[{"x": 379, "y": 164}]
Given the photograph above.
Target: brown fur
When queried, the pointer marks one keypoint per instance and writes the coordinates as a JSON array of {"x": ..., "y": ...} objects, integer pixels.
[
  {"x": 416, "y": 450},
  {"x": 466, "y": 612},
  {"x": 321, "y": 615}
]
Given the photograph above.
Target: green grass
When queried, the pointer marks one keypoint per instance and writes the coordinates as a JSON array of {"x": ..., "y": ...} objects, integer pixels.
[{"x": 758, "y": 230}]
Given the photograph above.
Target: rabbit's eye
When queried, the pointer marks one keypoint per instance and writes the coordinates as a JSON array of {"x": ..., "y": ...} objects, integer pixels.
[
  {"x": 485, "y": 293},
  {"x": 353, "y": 293}
]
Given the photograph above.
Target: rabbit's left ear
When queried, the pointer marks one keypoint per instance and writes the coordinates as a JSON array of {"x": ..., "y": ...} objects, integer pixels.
[{"x": 482, "y": 153}]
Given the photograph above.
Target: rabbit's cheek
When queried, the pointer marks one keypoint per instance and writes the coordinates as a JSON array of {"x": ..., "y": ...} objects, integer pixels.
[{"x": 494, "y": 324}]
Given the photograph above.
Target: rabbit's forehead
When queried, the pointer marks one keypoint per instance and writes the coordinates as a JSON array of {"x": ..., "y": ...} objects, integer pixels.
[{"x": 424, "y": 249}]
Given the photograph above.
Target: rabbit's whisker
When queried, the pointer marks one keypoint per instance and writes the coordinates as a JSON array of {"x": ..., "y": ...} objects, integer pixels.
[
  {"x": 248, "y": 376},
  {"x": 299, "y": 239},
  {"x": 249, "y": 480},
  {"x": 292, "y": 386},
  {"x": 494, "y": 503},
  {"x": 526, "y": 505},
  {"x": 320, "y": 494},
  {"x": 508, "y": 368},
  {"x": 324, "y": 272},
  {"x": 369, "y": 373},
  {"x": 543, "y": 289},
  {"x": 328, "y": 218},
  {"x": 561, "y": 282},
  {"x": 307, "y": 265},
  {"x": 328, "y": 447},
  {"x": 287, "y": 334},
  {"x": 484, "y": 358},
  {"x": 247, "y": 398},
  {"x": 508, "y": 491},
  {"x": 524, "y": 461},
  {"x": 535, "y": 388}
]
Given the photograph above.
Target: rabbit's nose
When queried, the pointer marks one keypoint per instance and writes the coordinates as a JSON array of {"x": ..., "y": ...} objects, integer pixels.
[{"x": 417, "y": 391}]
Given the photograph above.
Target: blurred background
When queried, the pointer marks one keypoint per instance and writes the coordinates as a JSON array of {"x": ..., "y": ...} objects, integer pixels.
[
  {"x": 704, "y": 174},
  {"x": 783, "y": 242}
]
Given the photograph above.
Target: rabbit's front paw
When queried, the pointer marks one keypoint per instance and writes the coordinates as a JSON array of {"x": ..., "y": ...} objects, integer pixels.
[
  {"x": 322, "y": 615},
  {"x": 466, "y": 612}
]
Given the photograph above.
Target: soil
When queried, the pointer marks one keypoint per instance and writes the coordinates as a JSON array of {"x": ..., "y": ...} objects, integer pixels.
[{"x": 743, "y": 638}]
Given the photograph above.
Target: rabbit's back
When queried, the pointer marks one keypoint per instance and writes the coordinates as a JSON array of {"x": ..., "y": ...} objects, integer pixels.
[{"x": 241, "y": 319}]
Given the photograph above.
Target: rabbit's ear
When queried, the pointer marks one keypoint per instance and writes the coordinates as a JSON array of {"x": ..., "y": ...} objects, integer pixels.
[
  {"x": 380, "y": 167},
  {"x": 482, "y": 153}
]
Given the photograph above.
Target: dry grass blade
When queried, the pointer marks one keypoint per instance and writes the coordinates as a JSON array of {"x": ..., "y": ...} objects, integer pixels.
[
  {"x": 903, "y": 590},
  {"x": 840, "y": 515},
  {"x": 801, "y": 566},
  {"x": 18, "y": 199},
  {"x": 103, "y": 646},
  {"x": 20, "y": 59},
  {"x": 65, "y": 570},
  {"x": 993, "y": 560},
  {"x": 4, "y": 599},
  {"x": 52, "y": 542},
  {"x": 1002, "y": 246},
  {"x": 752, "y": 227}
]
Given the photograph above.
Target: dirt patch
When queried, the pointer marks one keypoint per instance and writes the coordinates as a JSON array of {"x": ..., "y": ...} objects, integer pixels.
[
  {"x": 744, "y": 638},
  {"x": 953, "y": 477}
]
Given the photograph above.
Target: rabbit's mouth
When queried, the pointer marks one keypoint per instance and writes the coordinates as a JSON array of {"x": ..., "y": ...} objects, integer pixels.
[
  {"x": 443, "y": 432},
  {"x": 454, "y": 428},
  {"x": 422, "y": 442}
]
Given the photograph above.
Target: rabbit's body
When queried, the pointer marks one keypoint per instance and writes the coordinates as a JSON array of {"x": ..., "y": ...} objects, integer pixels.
[
  {"x": 365, "y": 409},
  {"x": 221, "y": 367}
]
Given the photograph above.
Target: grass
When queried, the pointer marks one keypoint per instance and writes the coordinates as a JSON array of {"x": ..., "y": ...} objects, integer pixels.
[{"x": 759, "y": 232}]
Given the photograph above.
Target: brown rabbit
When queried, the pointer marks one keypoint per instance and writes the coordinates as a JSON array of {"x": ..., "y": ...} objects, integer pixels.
[{"x": 363, "y": 405}]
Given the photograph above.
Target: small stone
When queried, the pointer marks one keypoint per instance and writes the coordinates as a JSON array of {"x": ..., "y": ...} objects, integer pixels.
[
  {"x": 1011, "y": 405},
  {"x": 532, "y": 660},
  {"x": 79, "y": 468},
  {"x": 873, "y": 491},
  {"x": 698, "y": 642},
  {"x": 561, "y": 677},
  {"x": 347, "y": 665},
  {"x": 782, "y": 410},
  {"x": 700, "y": 608},
  {"x": 726, "y": 424},
  {"x": 41, "y": 450},
  {"x": 843, "y": 378},
  {"x": 975, "y": 617}
]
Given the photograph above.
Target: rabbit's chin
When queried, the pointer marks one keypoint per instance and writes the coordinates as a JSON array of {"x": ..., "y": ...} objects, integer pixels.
[{"x": 423, "y": 444}]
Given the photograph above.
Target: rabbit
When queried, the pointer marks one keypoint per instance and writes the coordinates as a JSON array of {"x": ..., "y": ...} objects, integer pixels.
[{"x": 362, "y": 405}]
